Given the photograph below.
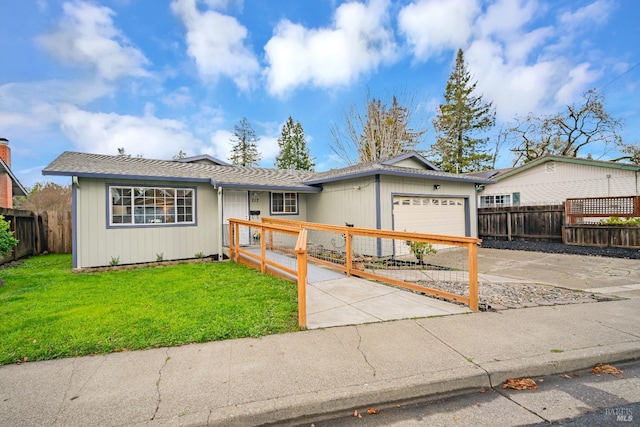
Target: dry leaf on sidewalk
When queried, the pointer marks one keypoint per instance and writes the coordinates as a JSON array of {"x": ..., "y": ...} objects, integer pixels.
[
  {"x": 520, "y": 384},
  {"x": 601, "y": 368},
  {"x": 373, "y": 411}
]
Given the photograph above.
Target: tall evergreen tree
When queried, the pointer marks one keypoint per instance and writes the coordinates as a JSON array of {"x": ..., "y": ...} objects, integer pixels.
[
  {"x": 294, "y": 153},
  {"x": 245, "y": 150},
  {"x": 459, "y": 119}
]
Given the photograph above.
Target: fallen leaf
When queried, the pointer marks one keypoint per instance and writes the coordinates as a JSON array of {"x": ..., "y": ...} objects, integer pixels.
[
  {"x": 602, "y": 368},
  {"x": 565, "y": 376},
  {"x": 355, "y": 413},
  {"x": 482, "y": 390},
  {"x": 373, "y": 411},
  {"x": 520, "y": 384},
  {"x": 456, "y": 418}
]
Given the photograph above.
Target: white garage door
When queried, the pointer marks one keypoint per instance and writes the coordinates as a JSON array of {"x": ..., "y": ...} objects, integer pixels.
[{"x": 432, "y": 215}]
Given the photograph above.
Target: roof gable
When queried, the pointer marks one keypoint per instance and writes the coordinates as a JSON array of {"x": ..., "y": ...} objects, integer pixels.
[
  {"x": 204, "y": 159},
  {"x": 565, "y": 159},
  {"x": 411, "y": 159}
]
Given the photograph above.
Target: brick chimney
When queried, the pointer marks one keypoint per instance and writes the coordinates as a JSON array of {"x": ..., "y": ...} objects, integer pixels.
[{"x": 6, "y": 193}]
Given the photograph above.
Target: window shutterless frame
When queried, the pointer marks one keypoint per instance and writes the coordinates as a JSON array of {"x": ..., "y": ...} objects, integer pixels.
[
  {"x": 146, "y": 206},
  {"x": 285, "y": 203}
]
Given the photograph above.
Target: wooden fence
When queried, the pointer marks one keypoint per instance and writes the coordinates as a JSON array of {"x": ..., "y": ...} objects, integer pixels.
[
  {"x": 623, "y": 236},
  {"x": 37, "y": 233},
  {"x": 542, "y": 223}
]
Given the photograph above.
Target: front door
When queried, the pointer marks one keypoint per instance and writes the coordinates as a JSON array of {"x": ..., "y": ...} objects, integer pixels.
[{"x": 235, "y": 204}]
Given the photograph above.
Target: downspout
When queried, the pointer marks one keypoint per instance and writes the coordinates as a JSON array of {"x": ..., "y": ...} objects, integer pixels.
[{"x": 219, "y": 221}]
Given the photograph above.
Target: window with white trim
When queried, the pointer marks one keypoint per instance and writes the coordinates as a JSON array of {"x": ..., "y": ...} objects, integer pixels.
[
  {"x": 501, "y": 200},
  {"x": 284, "y": 203},
  {"x": 151, "y": 205}
]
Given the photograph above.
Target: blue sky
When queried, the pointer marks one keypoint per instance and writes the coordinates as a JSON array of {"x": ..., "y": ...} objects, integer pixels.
[{"x": 158, "y": 76}]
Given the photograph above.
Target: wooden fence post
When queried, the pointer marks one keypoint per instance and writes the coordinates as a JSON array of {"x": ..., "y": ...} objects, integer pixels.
[
  {"x": 301, "y": 254},
  {"x": 472, "y": 249}
]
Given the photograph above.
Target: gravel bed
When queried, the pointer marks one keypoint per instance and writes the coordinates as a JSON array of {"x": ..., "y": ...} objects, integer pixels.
[
  {"x": 561, "y": 248},
  {"x": 502, "y": 296}
]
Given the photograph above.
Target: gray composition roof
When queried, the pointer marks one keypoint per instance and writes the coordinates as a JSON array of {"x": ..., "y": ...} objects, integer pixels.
[
  {"x": 120, "y": 167},
  {"x": 103, "y": 166},
  {"x": 368, "y": 169}
]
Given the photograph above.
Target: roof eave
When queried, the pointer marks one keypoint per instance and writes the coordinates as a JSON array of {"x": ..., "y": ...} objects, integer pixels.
[{"x": 401, "y": 174}]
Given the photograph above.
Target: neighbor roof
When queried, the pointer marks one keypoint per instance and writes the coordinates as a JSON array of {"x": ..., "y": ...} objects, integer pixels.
[
  {"x": 87, "y": 165},
  {"x": 16, "y": 188},
  {"x": 565, "y": 159}
]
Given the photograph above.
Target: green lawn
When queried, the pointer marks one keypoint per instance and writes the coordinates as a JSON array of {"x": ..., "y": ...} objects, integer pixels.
[{"x": 49, "y": 312}]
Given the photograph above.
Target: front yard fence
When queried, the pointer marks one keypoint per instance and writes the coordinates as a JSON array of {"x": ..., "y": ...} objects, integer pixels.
[{"x": 440, "y": 266}]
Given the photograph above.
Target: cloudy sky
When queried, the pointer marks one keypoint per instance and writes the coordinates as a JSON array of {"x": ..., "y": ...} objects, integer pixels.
[{"x": 159, "y": 76}]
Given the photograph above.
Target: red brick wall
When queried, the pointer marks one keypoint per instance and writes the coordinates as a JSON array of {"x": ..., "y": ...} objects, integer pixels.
[{"x": 6, "y": 194}]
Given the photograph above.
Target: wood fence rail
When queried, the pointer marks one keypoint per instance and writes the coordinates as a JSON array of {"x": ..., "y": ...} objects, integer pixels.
[{"x": 350, "y": 267}]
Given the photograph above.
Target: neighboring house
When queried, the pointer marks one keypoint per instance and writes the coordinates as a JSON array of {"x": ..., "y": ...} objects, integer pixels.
[
  {"x": 133, "y": 209},
  {"x": 550, "y": 180},
  {"x": 9, "y": 184}
]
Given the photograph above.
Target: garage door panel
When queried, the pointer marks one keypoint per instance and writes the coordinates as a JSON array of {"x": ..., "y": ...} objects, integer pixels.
[{"x": 442, "y": 215}]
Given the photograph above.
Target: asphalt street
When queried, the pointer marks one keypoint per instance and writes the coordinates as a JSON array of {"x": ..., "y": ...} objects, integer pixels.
[{"x": 573, "y": 399}]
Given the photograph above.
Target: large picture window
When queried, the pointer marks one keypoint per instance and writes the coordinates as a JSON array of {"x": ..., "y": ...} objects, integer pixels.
[
  {"x": 151, "y": 205},
  {"x": 284, "y": 203}
]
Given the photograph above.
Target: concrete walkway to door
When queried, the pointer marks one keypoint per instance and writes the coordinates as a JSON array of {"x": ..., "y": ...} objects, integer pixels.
[{"x": 333, "y": 299}]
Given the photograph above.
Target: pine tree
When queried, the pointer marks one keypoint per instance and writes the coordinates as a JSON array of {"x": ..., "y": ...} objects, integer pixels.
[
  {"x": 244, "y": 151},
  {"x": 294, "y": 153},
  {"x": 459, "y": 119}
]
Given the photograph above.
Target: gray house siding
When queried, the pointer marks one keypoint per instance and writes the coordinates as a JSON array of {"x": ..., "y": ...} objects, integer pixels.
[
  {"x": 553, "y": 182},
  {"x": 98, "y": 244},
  {"x": 350, "y": 201}
]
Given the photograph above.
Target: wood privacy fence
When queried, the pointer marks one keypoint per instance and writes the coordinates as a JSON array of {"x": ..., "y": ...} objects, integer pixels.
[
  {"x": 37, "y": 233},
  {"x": 580, "y": 211},
  {"x": 542, "y": 223},
  {"x": 279, "y": 247}
]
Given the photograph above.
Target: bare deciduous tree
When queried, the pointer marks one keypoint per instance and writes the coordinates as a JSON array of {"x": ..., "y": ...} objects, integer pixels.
[
  {"x": 567, "y": 133},
  {"x": 373, "y": 131}
]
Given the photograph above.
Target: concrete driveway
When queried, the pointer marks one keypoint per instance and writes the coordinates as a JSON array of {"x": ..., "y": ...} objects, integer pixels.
[{"x": 614, "y": 276}]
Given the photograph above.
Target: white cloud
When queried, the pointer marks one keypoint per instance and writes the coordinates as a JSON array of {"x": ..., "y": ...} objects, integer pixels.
[
  {"x": 359, "y": 40},
  {"x": 578, "y": 79},
  {"x": 87, "y": 37},
  {"x": 433, "y": 26},
  {"x": 179, "y": 98},
  {"x": 597, "y": 12},
  {"x": 104, "y": 133},
  {"x": 220, "y": 147},
  {"x": 216, "y": 42}
]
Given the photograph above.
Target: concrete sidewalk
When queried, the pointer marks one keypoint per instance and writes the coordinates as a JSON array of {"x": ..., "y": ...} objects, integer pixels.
[{"x": 307, "y": 374}]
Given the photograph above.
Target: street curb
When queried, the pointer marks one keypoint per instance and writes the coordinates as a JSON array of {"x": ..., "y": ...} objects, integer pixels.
[
  {"x": 324, "y": 404},
  {"x": 294, "y": 409},
  {"x": 558, "y": 363}
]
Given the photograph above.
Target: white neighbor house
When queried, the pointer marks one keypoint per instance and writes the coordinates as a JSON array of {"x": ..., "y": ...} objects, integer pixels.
[
  {"x": 550, "y": 180},
  {"x": 135, "y": 208}
]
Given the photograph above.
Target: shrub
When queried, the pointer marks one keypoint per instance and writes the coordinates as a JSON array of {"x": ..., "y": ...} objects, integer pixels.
[
  {"x": 8, "y": 240},
  {"x": 615, "y": 220}
]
